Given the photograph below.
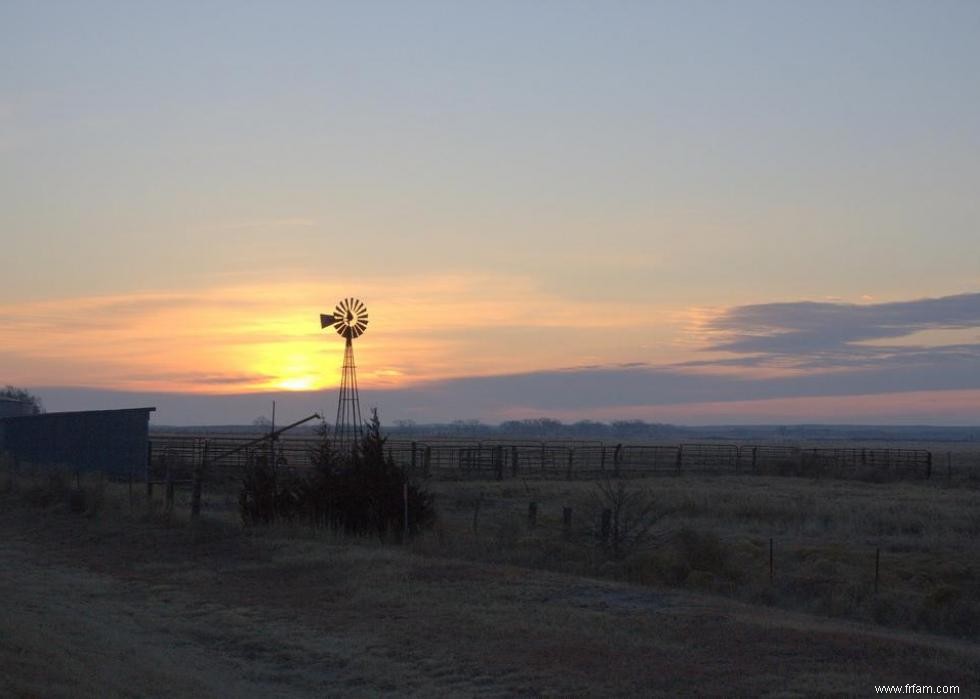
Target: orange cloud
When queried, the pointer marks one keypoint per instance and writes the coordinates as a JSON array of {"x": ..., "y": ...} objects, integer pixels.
[{"x": 242, "y": 338}]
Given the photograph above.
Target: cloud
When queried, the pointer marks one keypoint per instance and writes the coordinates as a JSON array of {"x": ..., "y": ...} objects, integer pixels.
[
  {"x": 440, "y": 348},
  {"x": 422, "y": 328},
  {"x": 837, "y": 335},
  {"x": 255, "y": 225}
]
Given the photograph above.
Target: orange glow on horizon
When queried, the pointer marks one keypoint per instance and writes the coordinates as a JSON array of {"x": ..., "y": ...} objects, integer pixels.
[
  {"x": 266, "y": 337},
  {"x": 941, "y": 406}
]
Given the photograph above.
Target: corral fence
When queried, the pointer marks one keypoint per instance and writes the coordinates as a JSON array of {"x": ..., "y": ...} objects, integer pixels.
[{"x": 174, "y": 457}]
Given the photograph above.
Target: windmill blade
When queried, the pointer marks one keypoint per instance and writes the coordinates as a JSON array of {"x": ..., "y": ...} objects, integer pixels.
[{"x": 326, "y": 320}]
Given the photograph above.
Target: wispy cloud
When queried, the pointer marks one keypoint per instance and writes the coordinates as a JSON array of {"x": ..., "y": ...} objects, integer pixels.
[
  {"x": 422, "y": 328},
  {"x": 809, "y": 335},
  {"x": 264, "y": 224},
  {"x": 491, "y": 347}
]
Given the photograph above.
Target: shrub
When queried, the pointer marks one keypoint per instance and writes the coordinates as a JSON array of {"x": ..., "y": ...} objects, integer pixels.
[
  {"x": 623, "y": 517},
  {"x": 361, "y": 492}
]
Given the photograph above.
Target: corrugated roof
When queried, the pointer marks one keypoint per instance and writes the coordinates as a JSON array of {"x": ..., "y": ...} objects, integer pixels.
[{"x": 79, "y": 412}]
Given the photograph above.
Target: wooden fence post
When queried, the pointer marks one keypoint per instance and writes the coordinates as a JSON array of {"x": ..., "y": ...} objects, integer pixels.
[
  {"x": 169, "y": 504},
  {"x": 877, "y": 567},
  {"x": 571, "y": 457},
  {"x": 149, "y": 471},
  {"x": 770, "y": 562},
  {"x": 498, "y": 457},
  {"x": 198, "y": 478},
  {"x": 405, "y": 500},
  {"x": 617, "y": 459},
  {"x": 476, "y": 514}
]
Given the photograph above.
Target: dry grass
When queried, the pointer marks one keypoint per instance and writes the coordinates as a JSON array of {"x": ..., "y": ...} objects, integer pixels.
[
  {"x": 714, "y": 536},
  {"x": 121, "y": 600}
]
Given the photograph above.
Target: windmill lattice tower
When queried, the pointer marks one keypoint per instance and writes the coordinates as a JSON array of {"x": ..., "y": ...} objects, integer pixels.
[{"x": 349, "y": 319}]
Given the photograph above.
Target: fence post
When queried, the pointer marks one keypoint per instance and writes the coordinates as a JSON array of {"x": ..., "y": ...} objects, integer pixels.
[
  {"x": 198, "y": 478},
  {"x": 617, "y": 459},
  {"x": 571, "y": 457},
  {"x": 606, "y": 525},
  {"x": 513, "y": 460},
  {"x": 169, "y": 505},
  {"x": 405, "y": 500},
  {"x": 755, "y": 459},
  {"x": 498, "y": 457},
  {"x": 532, "y": 515},
  {"x": 413, "y": 460},
  {"x": 680, "y": 457},
  {"x": 149, "y": 471},
  {"x": 877, "y": 567},
  {"x": 428, "y": 460},
  {"x": 566, "y": 522},
  {"x": 770, "y": 561},
  {"x": 602, "y": 459}
]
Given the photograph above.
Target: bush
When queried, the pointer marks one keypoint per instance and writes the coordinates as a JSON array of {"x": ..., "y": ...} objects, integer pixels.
[
  {"x": 56, "y": 488},
  {"x": 362, "y": 492}
]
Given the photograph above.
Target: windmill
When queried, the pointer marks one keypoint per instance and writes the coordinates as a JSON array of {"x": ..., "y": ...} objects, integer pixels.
[{"x": 349, "y": 319}]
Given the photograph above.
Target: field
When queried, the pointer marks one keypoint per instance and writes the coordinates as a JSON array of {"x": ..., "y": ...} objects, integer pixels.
[
  {"x": 796, "y": 543},
  {"x": 106, "y": 595}
]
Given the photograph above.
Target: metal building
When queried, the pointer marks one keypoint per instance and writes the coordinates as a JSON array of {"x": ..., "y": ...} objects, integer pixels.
[
  {"x": 113, "y": 441},
  {"x": 11, "y": 407}
]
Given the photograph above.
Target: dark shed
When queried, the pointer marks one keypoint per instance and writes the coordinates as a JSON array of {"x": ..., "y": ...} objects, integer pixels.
[
  {"x": 11, "y": 407},
  {"x": 113, "y": 441}
]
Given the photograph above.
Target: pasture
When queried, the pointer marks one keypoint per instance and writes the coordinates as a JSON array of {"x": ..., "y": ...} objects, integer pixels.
[{"x": 517, "y": 590}]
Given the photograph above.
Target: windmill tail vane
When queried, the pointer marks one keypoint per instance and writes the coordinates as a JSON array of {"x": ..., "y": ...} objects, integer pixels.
[{"x": 350, "y": 320}]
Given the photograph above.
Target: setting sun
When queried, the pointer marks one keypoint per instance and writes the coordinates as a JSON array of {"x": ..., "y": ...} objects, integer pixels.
[{"x": 299, "y": 383}]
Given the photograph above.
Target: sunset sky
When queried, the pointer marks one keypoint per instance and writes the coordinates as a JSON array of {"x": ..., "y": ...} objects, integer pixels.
[{"x": 689, "y": 212}]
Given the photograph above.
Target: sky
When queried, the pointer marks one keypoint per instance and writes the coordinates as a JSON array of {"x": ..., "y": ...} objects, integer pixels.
[{"x": 690, "y": 212}]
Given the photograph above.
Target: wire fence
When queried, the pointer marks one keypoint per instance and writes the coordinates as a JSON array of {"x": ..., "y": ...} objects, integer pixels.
[{"x": 175, "y": 456}]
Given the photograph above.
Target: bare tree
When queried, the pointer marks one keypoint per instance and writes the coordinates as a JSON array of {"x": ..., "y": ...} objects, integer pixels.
[{"x": 624, "y": 516}]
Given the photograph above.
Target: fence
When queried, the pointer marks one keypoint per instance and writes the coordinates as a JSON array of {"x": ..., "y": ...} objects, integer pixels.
[{"x": 173, "y": 457}]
